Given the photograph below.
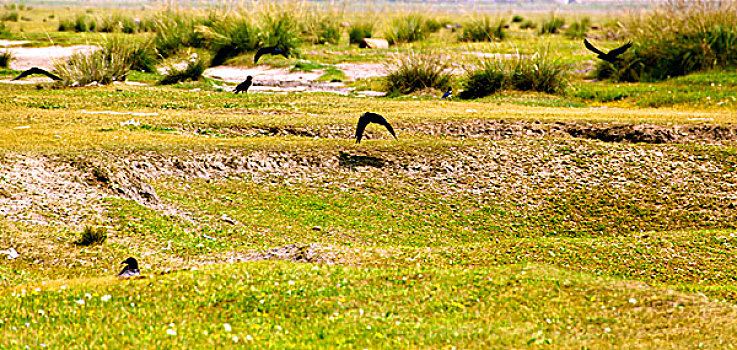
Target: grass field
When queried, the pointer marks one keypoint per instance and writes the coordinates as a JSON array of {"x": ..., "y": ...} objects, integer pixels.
[{"x": 602, "y": 216}]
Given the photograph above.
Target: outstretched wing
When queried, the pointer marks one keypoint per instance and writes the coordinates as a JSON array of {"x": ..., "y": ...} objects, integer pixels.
[
  {"x": 262, "y": 51},
  {"x": 592, "y": 48},
  {"x": 620, "y": 50},
  {"x": 36, "y": 70},
  {"x": 364, "y": 120},
  {"x": 378, "y": 119}
]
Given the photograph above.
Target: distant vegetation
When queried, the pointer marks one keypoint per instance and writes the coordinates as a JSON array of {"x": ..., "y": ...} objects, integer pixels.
[
  {"x": 418, "y": 71},
  {"x": 483, "y": 29}
]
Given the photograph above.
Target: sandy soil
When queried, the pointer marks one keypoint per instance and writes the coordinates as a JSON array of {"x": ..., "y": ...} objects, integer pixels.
[{"x": 43, "y": 57}]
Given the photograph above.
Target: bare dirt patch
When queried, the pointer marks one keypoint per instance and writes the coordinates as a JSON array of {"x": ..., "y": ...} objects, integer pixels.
[{"x": 43, "y": 57}]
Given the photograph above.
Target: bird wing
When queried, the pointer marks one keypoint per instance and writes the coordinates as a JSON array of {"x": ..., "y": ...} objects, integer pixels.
[
  {"x": 36, "y": 70},
  {"x": 262, "y": 51},
  {"x": 378, "y": 119},
  {"x": 620, "y": 50},
  {"x": 592, "y": 48},
  {"x": 362, "y": 122}
]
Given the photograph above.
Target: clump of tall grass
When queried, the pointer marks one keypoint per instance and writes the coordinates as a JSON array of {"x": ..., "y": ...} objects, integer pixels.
[
  {"x": 552, "y": 25},
  {"x": 538, "y": 73},
  {"x": 517, "y": 19},
  {"x": 5, "y": 58},
  {"x": 578, "y": 29},
  {"x": 417, "y": 71},
  {"x": 360, "y": 31},
  {"x": 92, "y": 235},
  {"x": 433, "y": 25},
  {"x": 175, "y": 31},
  {"x": 280, "y": 29},
  {"x": 229, "y": 38},
  {"x": 528, "y": 25},
  {"x": 483, "y": 29},
  {"x": 676, "y": 38},
  {"x": 321, "y": 27},
  {"x": 406, "y": 29},
  {"x": 192, "y": 71},
  {"x": 109, "y": 63},
  {"x": 4, "y": 30}
]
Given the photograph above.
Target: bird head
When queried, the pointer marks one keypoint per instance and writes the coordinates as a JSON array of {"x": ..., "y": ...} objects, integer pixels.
[
  {"x": 132, "y": 262},
  {"x": 249, "y": 78}
]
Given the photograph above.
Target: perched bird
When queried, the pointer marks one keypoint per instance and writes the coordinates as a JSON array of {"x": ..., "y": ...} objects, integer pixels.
[
  {"x": 368, "y": 118},
  {"x": 610, "y": 56},
  {"x": 36, "y": 70},
  {"x": 269, "y": 50},
  {"x": 243, "y": 87},
  {"x": 130, "y": 269},
  {"x": 448, "y": 94}
]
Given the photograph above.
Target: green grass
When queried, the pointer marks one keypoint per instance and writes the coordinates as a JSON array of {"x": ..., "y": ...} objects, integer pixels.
[{"x": 483, "y": 226}]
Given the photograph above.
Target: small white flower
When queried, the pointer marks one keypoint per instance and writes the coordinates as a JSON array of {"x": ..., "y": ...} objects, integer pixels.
[
  {"x": 42, "y": 345},
  {"x": 171, "y": 332},
  {"x": 88, "y": 295},
  {"x": 278, "y": 327},
  {"x": 249, "y": 337},
  {"x": 235, "y": 339},
  {"x": 27, "y": 324},
  {"x": 227, "y": 327},
  {"x": 368, "y": 327},
  {"x": 397, "y": 323},
  {"x": 360, "y": 312},
  {"x": 607, "y": 330},
  {"x": 80, "y": 301},
  {"x": 205, "y": 332},
  {"x": 38, "y": 290},
  {"x": 171, "y": 325},
  {"x": 133, "y": 304},
  {"x": 106, "y": 297},
  {"x": 41, "y": 312},
  {"x": 633, "y": 301},
  {"x": 291, "y": 283},
  {"x": 63, "y": 287},
  {"x": 276, "y": 283}
]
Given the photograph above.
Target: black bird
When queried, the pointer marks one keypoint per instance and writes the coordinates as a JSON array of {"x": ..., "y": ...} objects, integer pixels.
[
  {"x": 130, "y": 269},
  {"x": 368, "y": 118},
  {"x": 36, "y": 70},
  {"x": 269, "y": 50},
  {"x": 611, "y": 56},
  {"x": 243, "y": 87}
]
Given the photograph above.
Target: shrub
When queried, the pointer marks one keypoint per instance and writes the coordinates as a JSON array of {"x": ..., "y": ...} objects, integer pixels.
[
  {"x": 193, "y": 71},
  {"x": 433, "y": 25},
  {"x": 5, "y": 58},
  {"x": 517, "y": 19},
  {"x": 483, "y": 30},
  {"x": 360, "y": 31},
  {"x": 406, "y": 29},
  {"x": 578, "y": 30},
  {"x": 417, "y": 71},
  {"x": 110, "y": 63},
  {"x": 92, "y": 235},
  {"x": 83, "y": 23},
  {"x": 329, "y": 32},
  {"x": 675, "y": 39},
  {"x": 552, "y": 25},
  {"x": 535, "y": 73},
  {"x": 143, "y": 57}
]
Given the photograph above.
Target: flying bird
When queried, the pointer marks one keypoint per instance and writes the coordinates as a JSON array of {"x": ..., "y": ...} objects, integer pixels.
[
  {"x": 448, "y": 94},
  {"x": 269, "y": 50},
  {"x": 368, "y": 118},
  {"x": 130, "y": 269},
  {"x": 36, "y": 70},
  {"x": 243, "y": 87},
  {"x": 610, "y": 56}
]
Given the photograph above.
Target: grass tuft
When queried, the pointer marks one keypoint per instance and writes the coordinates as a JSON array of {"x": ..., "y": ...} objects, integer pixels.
[
  {"x": 360, "y": 31},
  {"x": 407, "y": 29},
  {"x": 92, "y": 235},
  {"x": 417, "y": 71},
  {"x": 552, "y": 25},
  {"x": 483, "y": 29},
  {"x": 5, "y": 58},
  {"x": 538, "y": 73},
  {"x": 193, "y": 71},
  {"x": 110, "y": 63}
]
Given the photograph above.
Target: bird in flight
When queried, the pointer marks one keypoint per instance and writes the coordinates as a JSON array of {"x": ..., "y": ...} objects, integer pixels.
[
  {"x": 36, "y": 70},
  {"x": 243, "y": 87},
  {"x": 610, "y": 56},
  {"x": 368, "y": 118},
  {"x": 448, "y": 94},
  {"x": 130, "y": 269},
  {"x": 269, "y": 50}
]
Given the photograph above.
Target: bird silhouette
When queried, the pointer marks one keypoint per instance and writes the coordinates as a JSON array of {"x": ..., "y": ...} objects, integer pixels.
[
  {"x": 269, "y": 50},
  {"x": 243, "y": 87},
  {"x": 448, "y": 94},
  {"x": 130, "y": 269},
  {"x": 368, "y": 118},
  {"x": 610, "y": 56},
  {"x": 36, "y": 70}
]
